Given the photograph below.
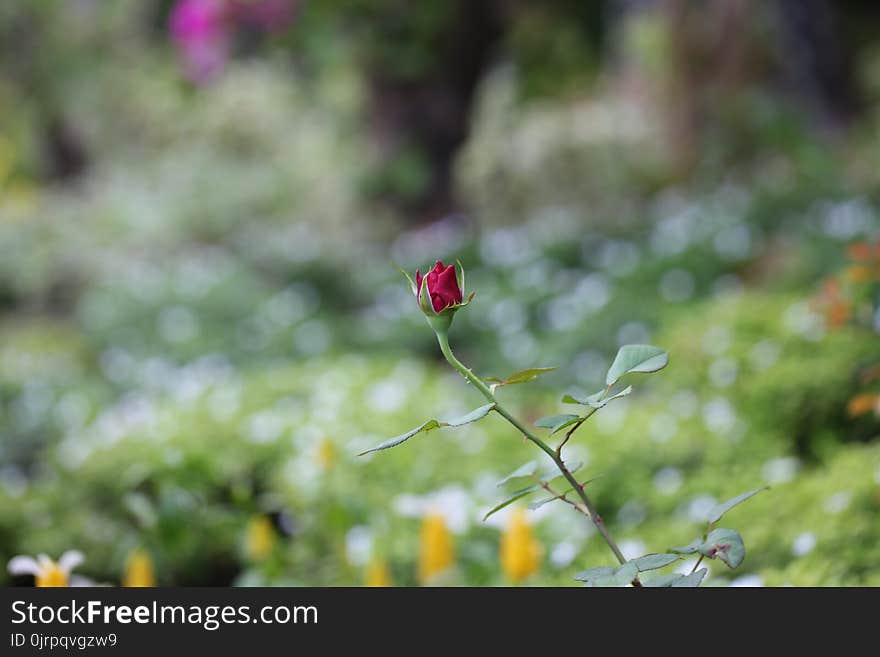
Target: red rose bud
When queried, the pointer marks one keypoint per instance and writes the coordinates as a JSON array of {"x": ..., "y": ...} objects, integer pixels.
[
  {"x": 442, "y": 285},
  {"x": 439, "y": 294}
]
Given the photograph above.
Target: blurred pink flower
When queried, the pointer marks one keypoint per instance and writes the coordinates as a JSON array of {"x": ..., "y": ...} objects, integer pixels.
[{"x": 201, "y": 31}]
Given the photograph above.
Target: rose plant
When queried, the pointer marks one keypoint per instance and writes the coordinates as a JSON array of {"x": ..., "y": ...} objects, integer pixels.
[{"x": 440, "y": 294}]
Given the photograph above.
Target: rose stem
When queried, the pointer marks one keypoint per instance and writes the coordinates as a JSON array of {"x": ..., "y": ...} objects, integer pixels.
[{"x": 443, "y": 339}]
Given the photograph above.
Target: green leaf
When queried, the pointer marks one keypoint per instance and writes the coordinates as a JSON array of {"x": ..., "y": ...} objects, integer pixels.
[
  {"x": 599, "y": 403},
  {"x": 529, "y": 473},
  {"x": 459, "y": 277},
  {"x": 595, "y": 573},
  {"x": 473, "y": 416},
  {"x": 525, "y": 470},
  {"x": 724, "y": 544},
  {"x": 424, "y": 298},
  {"x": 412, "y": 283},
  {"x": 654, "y": 561},
  {"x": 631, "y": 358},
  {"x": 430, "y": 425},
  {"x": 402, "y": 438},
  {"x": 720, "y": 509},
  {"x": 556, "y": 422},
  {"x": 537, "y": 505},
  {"x": 510, "y": 500},
  {"x": 534, "y": 506},
  {"x": 662, "y": 581},
  {"x": 691, "y": 581},
  {"x": 596, "y": 400},
  {"x": 622, "y": 576},
  {"x": 522, "y": 376},
  {"x": 690, "y": 548},
  {"x": 586, "y": 401}
]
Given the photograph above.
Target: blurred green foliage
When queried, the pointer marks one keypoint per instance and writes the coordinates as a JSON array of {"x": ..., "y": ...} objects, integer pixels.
[{"x": 204, "y": 325}]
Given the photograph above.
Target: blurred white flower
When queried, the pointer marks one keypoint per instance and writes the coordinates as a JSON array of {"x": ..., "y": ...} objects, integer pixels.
[
  {"x": 764, "y": 354},
  {"x": 677, "y": 285},
  {"x": 668, "y": 480},
  {"x": 718, "y": 415},
  {"x": 801, "y": 319},
  {"x": 387, "y": 396},
  {"x": 177, "y": 324},
  {"x": 453, "y": 503},
  {"x": 803, "y": 544},
  {"x": 781, "y": 470},
  {"x": 563, "y": 554},
  {"x": 698, "y": 508},
  {"x": 716, "y": 340},
  {"x": 839, "y": 502},
  {"x": 47, "y": 572},
  {"x": 751, "y": 580},
  {"x": 722, "y": 372},
  {"x": 734, "y": 242},
  {"x": 684, "y": 403},
  {"x": 662, "y": 427},
  {"x": 633, "y": 333},
  {"x": 631, "y": 514},
  {"x": 359, "y": 545},
  {"x": 632, "y": 548}
]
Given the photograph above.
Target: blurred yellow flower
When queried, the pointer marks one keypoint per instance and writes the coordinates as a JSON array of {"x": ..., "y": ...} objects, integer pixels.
[
  {"x": 260, "y": 538},
  {"x": 326, "y": 454},
  {"x": 46, "y": 571},
  {"x": 378, "y": 574},
  {"x": 520, "y": 550},
  {"x": 436, "y": 551},
  {"x": 139, "y": 570}
]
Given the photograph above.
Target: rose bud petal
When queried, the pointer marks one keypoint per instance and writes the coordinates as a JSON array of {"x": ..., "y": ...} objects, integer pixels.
[
  {"x": 442, "y": 285},
  {"x": 439, "y": 294}
]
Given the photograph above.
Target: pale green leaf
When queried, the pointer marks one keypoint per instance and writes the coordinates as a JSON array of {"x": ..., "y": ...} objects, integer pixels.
[
  {"x": 412, "y": 283},
  {"x": 522, "y": 376},
  {"x": 556, "y": 422},
  {"x": 473, "y": 416},
  {"x": 511, "y": 499},
  {"x": 662, "y": 581},
  {"x": 632, "y": 358},
  {"x": 720, "y": 509},
  {"x": 690, "y": 548},
  {"x": 654, "y": 561},
  {"x": 397, "y": 440},
  {"x": 724, "y": 544},
  {"x": 537, "y": 505},
  {"x": 622, "y": 576},
  {"x": 534, "y": 506},
  {"x": 595, "y": 573},
  {"x": 525, "y": 470},
  {"x": 430, "y": 425},
  {"x": 529, "y": 473},
  {"x": 596, "y": 400},
  {"x": 691, "y": 581}
]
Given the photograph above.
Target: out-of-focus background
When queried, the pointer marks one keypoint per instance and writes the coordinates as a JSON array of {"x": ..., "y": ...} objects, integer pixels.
[{"x": 200, "y": 323}]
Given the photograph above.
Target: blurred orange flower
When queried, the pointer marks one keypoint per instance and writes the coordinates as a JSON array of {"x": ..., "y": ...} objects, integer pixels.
[
  {"x": 863, "y": 403},
  {"x": 831, "y": 303}
]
